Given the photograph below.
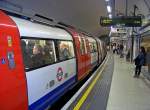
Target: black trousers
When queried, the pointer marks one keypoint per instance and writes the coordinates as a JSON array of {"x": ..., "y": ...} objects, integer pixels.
[{"x": 138, "y": 70}]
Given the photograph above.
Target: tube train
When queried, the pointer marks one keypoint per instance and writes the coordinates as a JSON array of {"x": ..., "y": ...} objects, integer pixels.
[{"x": 39, "y": 63}]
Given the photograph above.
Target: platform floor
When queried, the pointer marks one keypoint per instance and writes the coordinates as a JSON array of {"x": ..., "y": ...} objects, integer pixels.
[
  {"x": 98, "y": 97},
  {"x": 95, "y": 92},
  {"x": 128, "y": 93},
  {"x": 115, "y": 89}
]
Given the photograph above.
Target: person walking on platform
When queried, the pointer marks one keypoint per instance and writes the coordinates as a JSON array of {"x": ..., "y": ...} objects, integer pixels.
[
  {"x": 139, "y": 61},
  {"x": 114, "y": 48}
]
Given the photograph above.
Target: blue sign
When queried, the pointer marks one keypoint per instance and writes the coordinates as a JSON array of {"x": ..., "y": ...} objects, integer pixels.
[
  {"x": 11, "y": 60},
  {"x": 3, "y": 61}
]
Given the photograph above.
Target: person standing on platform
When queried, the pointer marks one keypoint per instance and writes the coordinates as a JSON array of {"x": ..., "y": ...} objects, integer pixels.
[
  {"x": 121, "y": 51},
  {"x": 139, "y": 61},
  {"x": 118, "y": 49}
]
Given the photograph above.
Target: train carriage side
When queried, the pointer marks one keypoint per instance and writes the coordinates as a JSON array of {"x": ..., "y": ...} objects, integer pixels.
[
  {"x": 83, "y": 56},
  {"x": 49, "y": 60}
]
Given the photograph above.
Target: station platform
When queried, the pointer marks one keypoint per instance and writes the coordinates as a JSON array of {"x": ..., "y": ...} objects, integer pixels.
[
  {"x": 113, "y": 88},
  {"x": 127, "y": 92}
]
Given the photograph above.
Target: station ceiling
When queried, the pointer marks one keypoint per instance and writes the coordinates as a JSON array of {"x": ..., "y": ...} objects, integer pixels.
[{"x": 83, "y": 14}]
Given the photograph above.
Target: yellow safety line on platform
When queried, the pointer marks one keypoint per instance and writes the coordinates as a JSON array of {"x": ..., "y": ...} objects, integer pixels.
[{"x": 85, "y": 95}]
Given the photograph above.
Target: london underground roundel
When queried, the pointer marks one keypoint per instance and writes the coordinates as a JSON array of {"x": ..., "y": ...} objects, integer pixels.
[{"x": 59, "y": 74}]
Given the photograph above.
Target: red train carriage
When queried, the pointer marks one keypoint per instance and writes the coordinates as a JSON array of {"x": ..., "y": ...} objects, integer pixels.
[
  {"x": 13, "y": 88},
  {"x": 34, "y": 76}
]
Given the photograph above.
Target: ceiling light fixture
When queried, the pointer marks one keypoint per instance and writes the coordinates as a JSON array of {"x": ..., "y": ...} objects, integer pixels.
[
  {"x": 110, "y": 16},
  {"x": 109, "y": 9}
]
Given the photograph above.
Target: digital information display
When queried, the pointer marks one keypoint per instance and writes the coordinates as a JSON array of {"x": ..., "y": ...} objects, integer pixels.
[{"x": 129, "y": 21}]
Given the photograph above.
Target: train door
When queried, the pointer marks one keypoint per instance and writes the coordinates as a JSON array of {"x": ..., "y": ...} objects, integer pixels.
[
  {"x": 82, "y": 61},
  {"x": 95, "y": 53},
  {"x": 87, "y": 56},
  {"x": 99, "y": 51},
  {"x": 80, "y": 53},
  {"x": 13, "y": 91},
  {"x": 102, "y": 51}
]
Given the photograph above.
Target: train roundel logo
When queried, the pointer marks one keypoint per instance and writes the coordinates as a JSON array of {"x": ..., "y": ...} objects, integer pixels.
[{"x": 59, "y": 74}]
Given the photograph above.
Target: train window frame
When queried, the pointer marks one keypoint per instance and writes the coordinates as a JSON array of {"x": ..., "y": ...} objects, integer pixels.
[
  {"x": 57, "y": 50},
  {"x": 40, "y": 40},
  {"x": 93, "y": 49}
]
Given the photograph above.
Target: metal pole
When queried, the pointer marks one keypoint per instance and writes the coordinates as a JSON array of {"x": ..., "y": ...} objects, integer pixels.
[
  {"x": 113, "y": 7},
  {"x": 132, "y": 44},
  {"x": 132, "y": 37},
  {"x": 126, "y": 8}
]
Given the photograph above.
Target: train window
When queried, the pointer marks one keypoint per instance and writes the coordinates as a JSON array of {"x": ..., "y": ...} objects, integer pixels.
[
  {"x": 85, "y": 46},
  {"x": 38, "y": 53},
  {"x": 65, "y": 50},
  {"x": 93, "y": 47},
  {"x": 82, "y": 46}
]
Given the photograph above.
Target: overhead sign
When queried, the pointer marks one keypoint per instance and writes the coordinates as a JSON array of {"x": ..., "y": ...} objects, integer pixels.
[{"x": 129, "y": 21}]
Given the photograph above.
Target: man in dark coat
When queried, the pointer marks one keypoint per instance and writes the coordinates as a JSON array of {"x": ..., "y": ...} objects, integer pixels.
[{"x": 139, "y": 62}]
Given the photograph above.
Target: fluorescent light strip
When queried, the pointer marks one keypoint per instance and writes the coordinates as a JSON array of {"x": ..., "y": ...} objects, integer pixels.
[{"x": 109, "y": 9}]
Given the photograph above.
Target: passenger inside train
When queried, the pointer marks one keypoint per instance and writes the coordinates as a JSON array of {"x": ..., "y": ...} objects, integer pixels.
[
  {"x": 65, "y": 49},
  {"x": 48, "y": 52},
  {"x": 37, "y": 54},
  {"x": 26, "y": 54},
  {"x": 42, "y": 50}
]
